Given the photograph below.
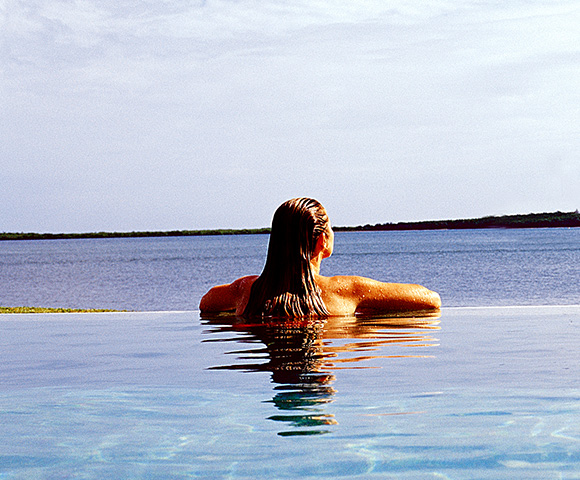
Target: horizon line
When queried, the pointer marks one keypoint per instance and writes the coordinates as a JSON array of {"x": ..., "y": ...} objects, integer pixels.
[{"x": 407, "y": 225}]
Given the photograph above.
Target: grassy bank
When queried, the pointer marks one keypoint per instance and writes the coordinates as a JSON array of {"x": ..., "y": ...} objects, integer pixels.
[{"x": 53, "y": 310}]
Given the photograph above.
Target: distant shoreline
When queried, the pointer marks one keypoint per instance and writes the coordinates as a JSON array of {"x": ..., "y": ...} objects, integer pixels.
[{"x": 531, "y": 220}]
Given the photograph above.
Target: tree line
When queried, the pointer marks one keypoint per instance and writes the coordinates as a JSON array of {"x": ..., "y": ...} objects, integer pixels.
[{"x": 531, "y": 220}]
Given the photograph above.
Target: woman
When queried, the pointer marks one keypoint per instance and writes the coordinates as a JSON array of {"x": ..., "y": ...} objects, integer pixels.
[{"x": 291, "y": 285}]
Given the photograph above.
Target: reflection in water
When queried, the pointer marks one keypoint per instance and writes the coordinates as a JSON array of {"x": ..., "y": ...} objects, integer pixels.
[{"x": 302, "y": 355}]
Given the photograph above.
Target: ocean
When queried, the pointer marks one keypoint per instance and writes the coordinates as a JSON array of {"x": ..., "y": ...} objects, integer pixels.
[{"x": 488, "y": 267}]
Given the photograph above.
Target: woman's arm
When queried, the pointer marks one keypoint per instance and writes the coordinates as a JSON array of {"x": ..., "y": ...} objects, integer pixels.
[
  {"x": 352, "y": 294},
  {"x": 375, "y": 295},
  {"x": 225, "y": 298}
]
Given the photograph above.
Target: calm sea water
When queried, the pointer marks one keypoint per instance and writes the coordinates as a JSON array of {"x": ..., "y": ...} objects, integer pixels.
[{"x": 468, "y": 268}]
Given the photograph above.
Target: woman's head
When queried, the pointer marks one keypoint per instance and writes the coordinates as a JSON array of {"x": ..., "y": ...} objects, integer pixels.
[
  {"x": 296, "y": 227},
  {"x": 286, "y": 286}
]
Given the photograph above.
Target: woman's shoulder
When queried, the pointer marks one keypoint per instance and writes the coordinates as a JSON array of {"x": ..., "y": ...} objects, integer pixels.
[
  {"x": 351, "y": 287},
  {"x": 228, "y": 297},
  {"x": 344, "y": 282},
  {"x": 244, "y": 282},
  {"x": 243, "y": 287},
  {"x": 355, "y": 292},
  {"x": 338, "y": 293}
]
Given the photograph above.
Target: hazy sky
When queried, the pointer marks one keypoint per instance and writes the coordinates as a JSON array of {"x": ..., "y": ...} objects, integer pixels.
[{"x": 173, "y": 114}]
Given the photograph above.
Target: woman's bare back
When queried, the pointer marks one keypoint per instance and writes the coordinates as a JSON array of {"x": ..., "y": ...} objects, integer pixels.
[{"x": 342, "y": 295}]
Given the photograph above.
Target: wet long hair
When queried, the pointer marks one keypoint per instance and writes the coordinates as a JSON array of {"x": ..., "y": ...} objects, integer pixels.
[{"x": 286, "y": 286}]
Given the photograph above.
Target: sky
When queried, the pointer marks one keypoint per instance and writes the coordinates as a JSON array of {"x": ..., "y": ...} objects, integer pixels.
[{"x": 131, "y": 115}]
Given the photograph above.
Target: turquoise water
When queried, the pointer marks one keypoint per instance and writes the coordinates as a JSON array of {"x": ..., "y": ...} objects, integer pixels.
[{"x": 475, "y": 393}]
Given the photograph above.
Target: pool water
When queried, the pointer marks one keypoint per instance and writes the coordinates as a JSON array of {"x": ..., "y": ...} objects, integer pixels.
[{"x": 474, "y": 393}]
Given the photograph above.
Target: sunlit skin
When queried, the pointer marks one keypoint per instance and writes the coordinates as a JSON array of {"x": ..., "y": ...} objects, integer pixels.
[{"x": 342, "y": 295}]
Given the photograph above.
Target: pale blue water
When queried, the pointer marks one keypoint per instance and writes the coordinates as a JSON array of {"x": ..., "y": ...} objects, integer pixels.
[
  {"x": 477, "y": 393},
  {"x": 468, "y": 268},
  {"x": 481, "y": 392}
]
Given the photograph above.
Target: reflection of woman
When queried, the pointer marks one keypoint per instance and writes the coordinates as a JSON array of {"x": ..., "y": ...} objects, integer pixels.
[
  {"x": 301, "y": 355},
  {"x": 290, "y": 284}
]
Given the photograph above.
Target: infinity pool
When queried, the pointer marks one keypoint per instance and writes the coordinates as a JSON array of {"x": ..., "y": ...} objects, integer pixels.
[{"x": 474, "y": 393}]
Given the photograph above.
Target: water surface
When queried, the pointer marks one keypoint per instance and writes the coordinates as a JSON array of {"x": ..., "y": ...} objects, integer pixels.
[
  {"x": 467, "y": 267},
  {"x": 483, "y": 391},
  {"x": 476, "y": 393}
]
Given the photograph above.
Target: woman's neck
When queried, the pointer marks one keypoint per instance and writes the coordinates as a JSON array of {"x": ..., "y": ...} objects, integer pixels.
[{"x": 315, "y": 264}]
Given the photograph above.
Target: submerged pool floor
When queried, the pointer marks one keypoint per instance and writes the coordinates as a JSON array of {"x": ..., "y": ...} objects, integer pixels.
[{"x": 475, "y": 393}]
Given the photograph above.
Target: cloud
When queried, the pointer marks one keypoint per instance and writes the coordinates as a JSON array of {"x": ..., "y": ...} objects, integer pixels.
[{"x": 155, "y": 114}]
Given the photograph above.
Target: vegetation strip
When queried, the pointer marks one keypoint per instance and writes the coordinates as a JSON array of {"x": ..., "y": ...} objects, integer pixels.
[
  {"x": 531, "y": 220},
  {"x": 173, "y": 233},
  {"x": 53, "y": 310}
]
